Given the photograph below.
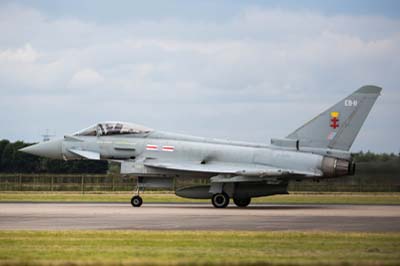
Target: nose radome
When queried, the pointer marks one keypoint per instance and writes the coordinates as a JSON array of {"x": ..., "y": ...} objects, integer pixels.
[{"x": 50, "y": 149}]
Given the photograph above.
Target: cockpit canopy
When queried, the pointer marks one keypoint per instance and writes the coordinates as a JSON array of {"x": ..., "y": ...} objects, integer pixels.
[{"x": 113, "y": 128}]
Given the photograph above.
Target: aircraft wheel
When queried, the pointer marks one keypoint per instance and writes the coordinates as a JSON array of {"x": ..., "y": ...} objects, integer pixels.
[
  {"x": 220, "y": 200},
  {"x": 242, "y": 202},
  {"x": 136, "y": 201}
]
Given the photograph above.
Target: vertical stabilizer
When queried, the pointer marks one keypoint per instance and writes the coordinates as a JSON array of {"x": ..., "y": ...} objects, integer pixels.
[{"x": 338, "y": 126}]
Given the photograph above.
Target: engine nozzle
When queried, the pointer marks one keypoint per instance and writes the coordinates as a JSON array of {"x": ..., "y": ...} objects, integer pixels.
[{"x": 334, "y": 167}]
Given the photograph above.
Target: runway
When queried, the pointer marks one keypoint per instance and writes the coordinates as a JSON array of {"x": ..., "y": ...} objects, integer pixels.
[{"x": 269, "y": 217}]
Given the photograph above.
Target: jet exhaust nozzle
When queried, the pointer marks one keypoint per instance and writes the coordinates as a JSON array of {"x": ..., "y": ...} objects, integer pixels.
[{"x": 333, "y": 167}]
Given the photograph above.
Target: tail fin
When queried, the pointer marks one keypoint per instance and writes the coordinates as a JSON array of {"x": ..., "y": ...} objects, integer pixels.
[{"x": 338, "y": 126}]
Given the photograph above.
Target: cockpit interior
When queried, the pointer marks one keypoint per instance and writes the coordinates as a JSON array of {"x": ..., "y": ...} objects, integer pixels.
[{"x": 113, "y": 128}]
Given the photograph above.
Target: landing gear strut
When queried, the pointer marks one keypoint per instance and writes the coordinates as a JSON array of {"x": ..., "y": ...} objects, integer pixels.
[{"x": 220, "y": 200}]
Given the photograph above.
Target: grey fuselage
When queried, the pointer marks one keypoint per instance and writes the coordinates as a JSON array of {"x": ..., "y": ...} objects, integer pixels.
[{"x": 133, "y": 148}]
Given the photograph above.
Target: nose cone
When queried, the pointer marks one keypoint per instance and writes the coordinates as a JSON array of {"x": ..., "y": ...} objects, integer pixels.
[{"x": 50, "y": 149}]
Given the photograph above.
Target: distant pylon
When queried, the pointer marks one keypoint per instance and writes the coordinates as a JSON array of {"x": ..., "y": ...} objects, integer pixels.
[{"x": 46, "y": 136}]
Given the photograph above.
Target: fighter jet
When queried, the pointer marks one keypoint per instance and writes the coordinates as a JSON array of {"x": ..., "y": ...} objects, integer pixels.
[{"x": 235, "y": 170}]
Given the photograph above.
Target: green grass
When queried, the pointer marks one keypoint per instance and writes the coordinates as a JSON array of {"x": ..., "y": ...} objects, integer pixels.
[
  {"x": 197, "y": 248},
  {"x": 311, "y": 198}
]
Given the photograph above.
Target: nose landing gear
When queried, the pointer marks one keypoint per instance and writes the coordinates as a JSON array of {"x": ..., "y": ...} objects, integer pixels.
[{"x": 136, "y": 201}]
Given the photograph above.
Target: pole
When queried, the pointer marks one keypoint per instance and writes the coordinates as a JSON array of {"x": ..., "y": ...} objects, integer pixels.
[
  {"x": 113, "y": 183},
  {"x": 20, "y": 182},
  {"x": 82, "y": 184}
]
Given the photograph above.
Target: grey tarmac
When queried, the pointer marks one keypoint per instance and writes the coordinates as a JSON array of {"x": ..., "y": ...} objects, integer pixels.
[{"x": 295, "y": 217}]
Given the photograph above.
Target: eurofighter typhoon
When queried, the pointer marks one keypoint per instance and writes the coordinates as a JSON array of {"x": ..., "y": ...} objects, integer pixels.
[{"x": 238, "y": 170}]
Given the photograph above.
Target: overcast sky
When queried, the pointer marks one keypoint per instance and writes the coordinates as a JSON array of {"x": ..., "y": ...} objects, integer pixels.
[{"x": 244, "y": 70}]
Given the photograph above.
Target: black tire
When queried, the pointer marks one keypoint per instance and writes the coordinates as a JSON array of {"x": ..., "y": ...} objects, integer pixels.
[
  {"x": 136, "y": 201},
  {"x": 220, "y": 200},
  {"x": 242, "y": 202}
]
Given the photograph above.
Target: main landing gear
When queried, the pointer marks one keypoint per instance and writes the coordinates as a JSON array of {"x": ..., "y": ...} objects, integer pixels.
[
  {"x": 242, "y": 202},
  {"x": 221, "y": 200}
]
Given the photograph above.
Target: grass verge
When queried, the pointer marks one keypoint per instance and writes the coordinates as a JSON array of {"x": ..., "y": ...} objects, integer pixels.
[
  {"x": 197, "y": 248},
  {"x": 148, "y": 197}
]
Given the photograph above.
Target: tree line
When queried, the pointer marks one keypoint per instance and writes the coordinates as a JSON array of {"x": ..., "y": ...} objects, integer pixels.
[
  {"x": 375, "y": 157},
  {"x": 14, "y": 161}
]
